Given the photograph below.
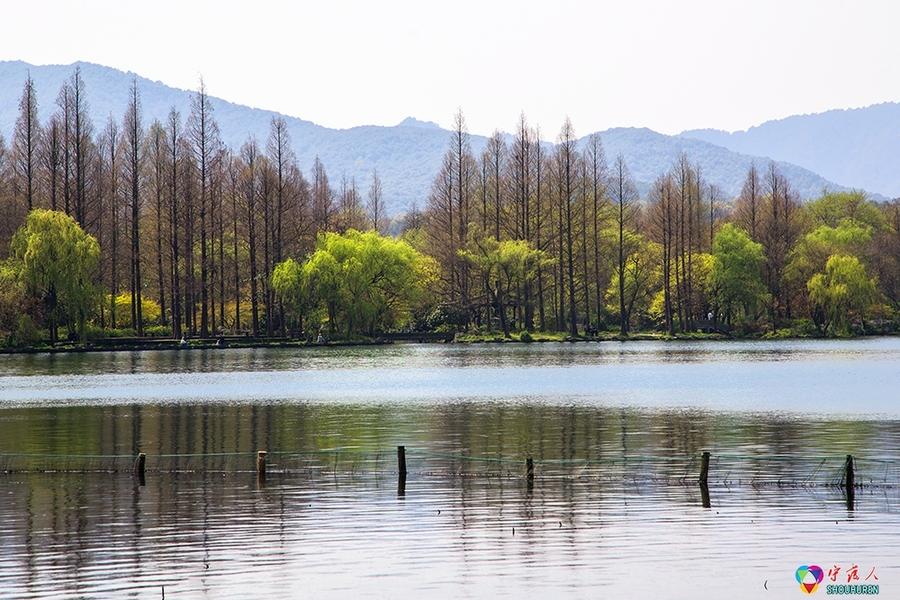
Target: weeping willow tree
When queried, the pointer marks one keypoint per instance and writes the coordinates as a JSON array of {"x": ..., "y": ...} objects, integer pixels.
[
  {"x": 56, "y": 262},
  {"x": 356, "y": 282},
  {"x": 843, "y": 291},
  {"x": 504, "y": 265}
]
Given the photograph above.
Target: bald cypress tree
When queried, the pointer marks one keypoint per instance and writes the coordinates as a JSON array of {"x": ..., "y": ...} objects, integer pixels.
[
  {"x": 133, "y": 140},
  {"x": 624, "y": 195},
  {"x": 51, "y": 160},
  {"x": 80, "y": 142},
  {"x": 25, "y": 144},
  {"x": 250, "y": 177},
  {"x": 112, "y": 167},
  {"x": 375, "y": 209},
  {"x": 567, "y": 165},
  {"x": 173, "y": 159},
  {"x": 204, "y": 137},
  {"x": 158, "y": 163}
]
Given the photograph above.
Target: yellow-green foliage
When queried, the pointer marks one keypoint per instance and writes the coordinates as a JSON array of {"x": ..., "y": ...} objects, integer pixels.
[
  {"x": 503, "y": 265},
  {"x": 150, "y": 311},
  {"x": 12, "y": 299},
  {"x": 513, "y": 260},
  {"x": 835, "y": 208},
  {"x": 362, "y": 281},
  {"x": 812, "y": 252},
  {"x": 842, "y": 291},
  {"x": 642, "y": 276},
  {"x": 56, "y": 260}
]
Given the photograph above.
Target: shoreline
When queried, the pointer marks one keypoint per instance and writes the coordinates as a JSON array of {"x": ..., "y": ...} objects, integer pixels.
[{"x": 160, "y": 344}]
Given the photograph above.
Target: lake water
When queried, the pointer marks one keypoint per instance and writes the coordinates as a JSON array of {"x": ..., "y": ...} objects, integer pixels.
[{"x": 615, "y": 431}]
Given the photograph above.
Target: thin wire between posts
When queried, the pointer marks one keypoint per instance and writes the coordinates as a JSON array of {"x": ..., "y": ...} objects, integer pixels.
[{"x": 725, "y": 468}]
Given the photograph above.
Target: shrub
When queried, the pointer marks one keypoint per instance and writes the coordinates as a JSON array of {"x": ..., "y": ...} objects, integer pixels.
[
  {"x": 150, "y": 311},
  {"x": 158, "y": 331},
  {"x": 25, "y": 333}
]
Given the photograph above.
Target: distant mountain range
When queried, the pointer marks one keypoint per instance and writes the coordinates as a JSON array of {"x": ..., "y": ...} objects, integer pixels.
[
  {"x": 407, "y": 155},
  {"x": 857, "y": 147}
]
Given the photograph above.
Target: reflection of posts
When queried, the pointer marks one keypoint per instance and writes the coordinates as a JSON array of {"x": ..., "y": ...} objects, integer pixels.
[
  {"x": 261, "y": 466},
  {"x": 140, "y": 464},
  {"x": 529, "y": 476},
  {"x": 704, "y": 478},
  {"x": 704, "y": 495},
  {"x": 850, "y": 481},
  {"x": 401, "y": 471}
]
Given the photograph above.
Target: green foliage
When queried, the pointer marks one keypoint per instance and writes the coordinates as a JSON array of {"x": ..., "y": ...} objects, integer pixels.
[
  {"x": 364, "y": 281},
  {"x": 846, "y": 225},
  {"x": 158, "y": 331},
  {"x": 294, "y": 287},
  {"x": 836, "y": 208},
  {"x": 56, "y": 261},
  {"x": 12, "y": 301},
  {"x": 513, "y": 260},
  {"x": 25, "y": 333},
  {"x": 735, "y": 279},
  {"x": 416, "y": 237},
  {"x": 844, "y": 290},
  {"x": 811, "y": 253},
  {"x": 444, "y": 318},
  {"x": 643, "y": 274},
  {"x": 525, "y": 337},
  {"x": 503, "y": 266}
]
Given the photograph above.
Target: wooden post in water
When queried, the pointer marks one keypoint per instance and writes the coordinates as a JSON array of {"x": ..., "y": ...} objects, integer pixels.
[
  {"x": 849, "y": 476},
  {"x": 401, "y": 461},
  {"x": 849, "y": 481},
  {"x": 140, "y": 464},
  {"x": 704, "y": 468},
  {"x": 401, "y": 471},
  {"x": 261, "y": 466}
]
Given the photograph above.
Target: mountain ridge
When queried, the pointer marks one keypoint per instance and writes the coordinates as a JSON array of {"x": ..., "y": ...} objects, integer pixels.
[
  {"x": 406, "y": 155},
  {"x": 856, "y": 147}
]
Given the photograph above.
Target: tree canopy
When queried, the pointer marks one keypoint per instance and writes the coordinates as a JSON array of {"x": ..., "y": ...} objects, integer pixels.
[
  {"x": 364, "y": 282},
  {"x": 843, "y": 290},
  {"x": 642, "y": 273},
  {"x": 504, "y": 265},
  {"x": 736, "y": 275},
  {"x": 834, "y": 208},
  {"x": 56, "y": 261}
]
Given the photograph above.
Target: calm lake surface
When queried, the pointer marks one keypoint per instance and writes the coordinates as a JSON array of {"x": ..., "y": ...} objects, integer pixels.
[{"x": 615, "y": 431}]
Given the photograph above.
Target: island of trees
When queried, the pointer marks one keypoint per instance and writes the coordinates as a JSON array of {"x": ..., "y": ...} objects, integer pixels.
[{"x": 159, "y": 229}]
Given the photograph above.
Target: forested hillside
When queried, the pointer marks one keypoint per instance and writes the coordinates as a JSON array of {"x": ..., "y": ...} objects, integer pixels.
[{"x": 151, "y": 226}]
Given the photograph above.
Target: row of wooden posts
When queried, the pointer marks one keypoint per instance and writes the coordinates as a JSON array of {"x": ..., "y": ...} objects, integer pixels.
[{"x": 849, "y": 482}]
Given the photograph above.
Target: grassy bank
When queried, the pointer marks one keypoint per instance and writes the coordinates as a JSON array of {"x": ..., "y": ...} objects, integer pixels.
[
  {"x": 167, "y": 343},
  {"x": 150, "y": 344},
  {"x": 603, "y": 336}
]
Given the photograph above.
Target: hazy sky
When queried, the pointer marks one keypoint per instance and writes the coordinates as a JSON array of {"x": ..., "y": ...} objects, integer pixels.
[{"x": 665, "y": 65}]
